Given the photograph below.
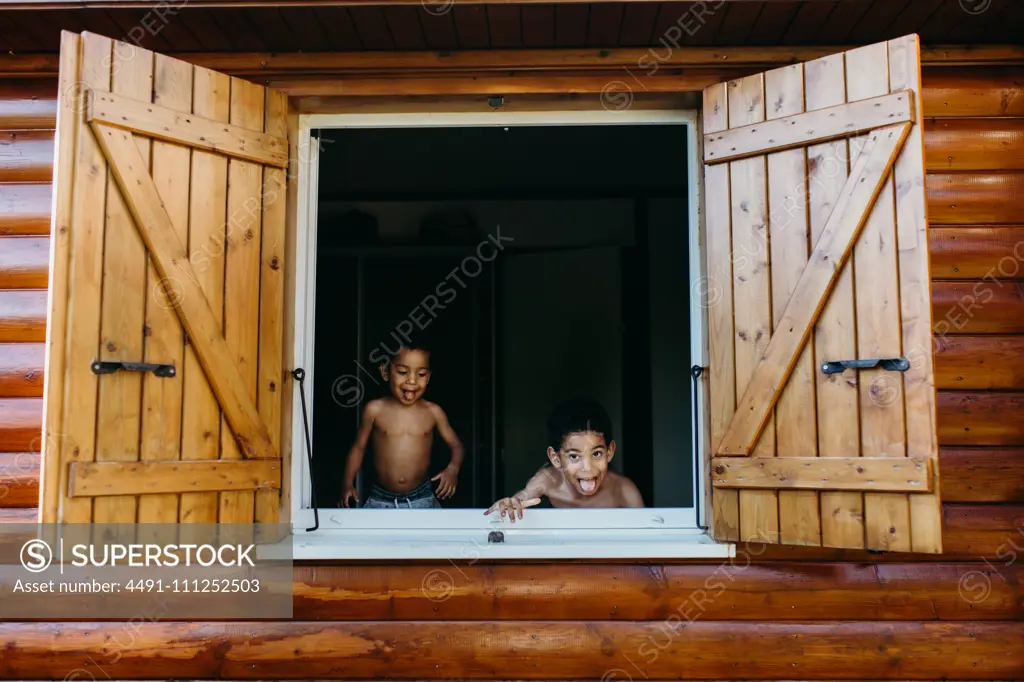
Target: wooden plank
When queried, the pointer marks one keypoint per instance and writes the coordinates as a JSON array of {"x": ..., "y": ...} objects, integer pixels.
[
  {"x": 24, "y": 262},
  {"x": 30, "y": 104},
  {"x": 999, "y": 64},
  {"x": 823, "y": 473},
  {"x": 272, "y": 296},
  {"x": 123, "y": 313},
  {"x": 25, "y": 209},
  {"x": 21, "y": 370},
  {"x": 974, "y": 198},
  {"x": 26, "y": 156},
  {"x": 912, "y": 234},
  {"x": 87, "y": 221},
  {"x": 192, "y": 306},
  {"x": 974, "y": 91},
  {"x": 877, "y": 296},
  {"x": 842, "y": 514},
  {"x": 799, "y": 518},
  {"x": 21, "y": 423},
  {"x": 164, "y": 123},
  {"x": 831, "y": 250},
  {"x": 973, "y": 474},
  {"x": 977, "y": 252},
  {"x": 201, "y": 420},
  {"x": 23, "y": 315},
  {"x": 519, "y": 650},
  {"x": 162, "y": 399},
  {"x": 759, "y": 513},
  {"x": 974, "y": 144},
  {"x": 721, "y": 369},
  {"x": 94, "y": 479},
  {"x": 242, "y": 276},
  {"x": 812, "y": 127},
  {"x": 983, "y": 307},
  {"x": 19, "y": 479},
  {"x": 56, "y": 349},
  {"x": 983, "y": 363},
  {"x": 971, "y": 418},
  {"x": 18, "y": 516},
  {"x": 624, "y": 592},
  {"x": 484, "y": 83}
]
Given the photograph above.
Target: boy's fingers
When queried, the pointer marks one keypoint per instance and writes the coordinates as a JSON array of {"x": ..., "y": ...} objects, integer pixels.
[
  {"x": 436, "y": 477},
  {"x": 532, "y": 501}
]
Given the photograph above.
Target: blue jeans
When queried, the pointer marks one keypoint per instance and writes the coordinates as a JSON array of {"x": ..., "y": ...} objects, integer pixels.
[{"x": 421, "y": 498}]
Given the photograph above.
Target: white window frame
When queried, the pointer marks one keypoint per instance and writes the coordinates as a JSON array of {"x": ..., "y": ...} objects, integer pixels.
[{"x": 457, "y": 533}]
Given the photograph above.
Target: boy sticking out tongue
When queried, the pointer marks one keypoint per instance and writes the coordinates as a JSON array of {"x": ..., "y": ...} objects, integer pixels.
[{"x": 580, "y": 448}]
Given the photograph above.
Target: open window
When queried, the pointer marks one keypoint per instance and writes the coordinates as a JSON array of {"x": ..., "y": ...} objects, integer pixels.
[{"x": 544, "y": 256}]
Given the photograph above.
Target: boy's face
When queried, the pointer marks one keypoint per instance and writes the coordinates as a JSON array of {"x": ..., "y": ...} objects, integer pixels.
[
  {"x": 408, "y": 375},
  {"x": 583, "y": 458}
]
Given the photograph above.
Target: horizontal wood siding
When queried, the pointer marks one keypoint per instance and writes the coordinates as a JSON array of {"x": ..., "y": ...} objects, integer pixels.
[{"x": 771, "y": 613}]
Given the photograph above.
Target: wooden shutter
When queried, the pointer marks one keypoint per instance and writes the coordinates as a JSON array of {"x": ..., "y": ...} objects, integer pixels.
[
  {"x": 168, "y": 236},
  {"x": 817, "y": 253}
]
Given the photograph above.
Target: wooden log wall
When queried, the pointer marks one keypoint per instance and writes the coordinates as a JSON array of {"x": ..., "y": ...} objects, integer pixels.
[{"x": 773, "y": 613}]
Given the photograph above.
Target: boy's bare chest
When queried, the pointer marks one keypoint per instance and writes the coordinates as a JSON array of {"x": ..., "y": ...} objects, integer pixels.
[{"x": 418, "y": 425}]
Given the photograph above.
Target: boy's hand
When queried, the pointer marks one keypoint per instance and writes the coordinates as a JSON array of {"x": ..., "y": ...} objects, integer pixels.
[
  {"x": 512, "y": 505},
  {"x": 348, "y": 492},
  {"x": 446, "y": 488}
]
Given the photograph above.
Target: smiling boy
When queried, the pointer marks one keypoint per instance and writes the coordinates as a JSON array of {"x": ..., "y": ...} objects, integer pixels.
[
  {"x": 580, "y": 448},
  {"x": 402, "y": 425}
]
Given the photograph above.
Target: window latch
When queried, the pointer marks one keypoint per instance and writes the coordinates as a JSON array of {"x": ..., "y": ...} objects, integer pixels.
[
  {"x": 891, "y": 364},
  {"x": 109, "y": 367}
]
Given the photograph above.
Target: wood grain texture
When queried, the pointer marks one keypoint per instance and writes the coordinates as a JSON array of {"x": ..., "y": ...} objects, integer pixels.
[
  {"x": 25, "y": 208},
  {"x": 978, "y": 418},
  {"x": 21, "y": 424},
  {"x": 24, "y": 262},
  {"x": 977, "y": 252},
  {"x": 970, "y": 533},
  {"x": 975, "y": 198},
  {"x": 731, "y": 590},
  {"x": 974, "y": 144},
  {"x": 973, "y": 91},
  {"x": 22, "y": 315},
  {"x": 979, "y": 307},
  {"x": 530, "y": 650},
  {"x": 19, "y": 479},
  {"x": 26, "y": 156},
  {"x": 28, "y": 104},
  {"x": 21, "y": 370},
  {"x": 18, "y": 515},
  {"x": 979, "y": 362},
  {"x": 979, "y": 474}
]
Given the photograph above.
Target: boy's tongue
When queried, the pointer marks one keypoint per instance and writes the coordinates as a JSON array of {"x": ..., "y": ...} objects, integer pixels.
[
  {"x": 408, "y": 395},
  {"x": 588, "y": 485}
]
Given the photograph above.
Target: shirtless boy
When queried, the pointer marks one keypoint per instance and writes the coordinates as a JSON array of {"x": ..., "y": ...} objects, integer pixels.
[
  {"x": 402, "y": 426},
  {"x": 580, "y": 448}
]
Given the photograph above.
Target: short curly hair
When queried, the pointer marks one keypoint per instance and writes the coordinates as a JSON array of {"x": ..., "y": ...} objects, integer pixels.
[{"x": 578, "y": 415}]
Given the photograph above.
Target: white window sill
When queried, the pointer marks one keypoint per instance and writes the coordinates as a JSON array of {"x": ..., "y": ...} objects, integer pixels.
[{"x": 472, "y": 545}]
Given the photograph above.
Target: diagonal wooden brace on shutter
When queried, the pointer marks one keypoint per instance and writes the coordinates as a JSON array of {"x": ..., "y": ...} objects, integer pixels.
[
  {"x": 830, "y": 254},
  {"x": 192, "y": 307}
]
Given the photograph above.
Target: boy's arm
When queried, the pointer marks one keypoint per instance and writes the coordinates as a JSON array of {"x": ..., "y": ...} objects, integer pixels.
[
  {"x": 531, "y": 494},
  {"x": 450, "y": 437},
  {"x": 449, "y": 476},
  {"x": 358, "y": 449}
]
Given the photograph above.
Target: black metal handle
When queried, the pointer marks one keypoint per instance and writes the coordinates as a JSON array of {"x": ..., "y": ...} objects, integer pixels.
[
  {"x": 892, "y": 364},
  {"x": 109, "y": 367}
]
